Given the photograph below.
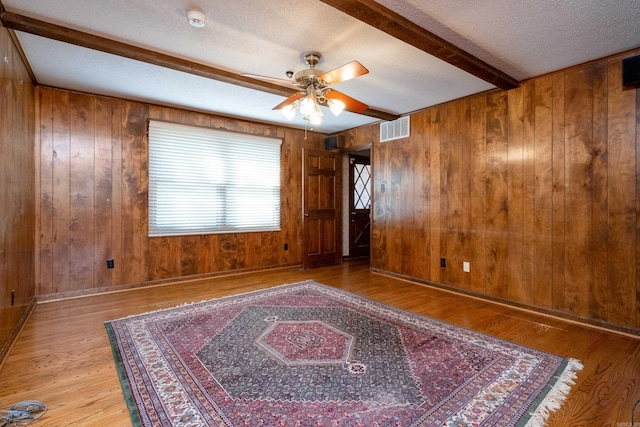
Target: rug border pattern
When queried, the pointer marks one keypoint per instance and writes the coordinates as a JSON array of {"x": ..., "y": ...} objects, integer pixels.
[{"x": 549, "y": 395}]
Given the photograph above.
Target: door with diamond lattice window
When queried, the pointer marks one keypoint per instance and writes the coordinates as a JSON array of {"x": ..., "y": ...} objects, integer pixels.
[{"x": 359, "y": 206}]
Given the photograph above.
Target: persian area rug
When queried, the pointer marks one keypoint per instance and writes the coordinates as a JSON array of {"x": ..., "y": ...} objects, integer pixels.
[{"x": 307, "y": 354}]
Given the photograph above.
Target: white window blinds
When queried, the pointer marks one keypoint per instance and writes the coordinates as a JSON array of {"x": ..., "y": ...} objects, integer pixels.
[{"x": 204, "y": 181}]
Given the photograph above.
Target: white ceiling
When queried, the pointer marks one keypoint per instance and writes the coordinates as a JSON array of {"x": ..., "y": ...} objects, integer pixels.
[{"x": 269, "y": 37}]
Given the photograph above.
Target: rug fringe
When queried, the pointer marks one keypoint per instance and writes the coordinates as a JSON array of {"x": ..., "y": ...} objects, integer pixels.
[{"x": 556, "y": 396}]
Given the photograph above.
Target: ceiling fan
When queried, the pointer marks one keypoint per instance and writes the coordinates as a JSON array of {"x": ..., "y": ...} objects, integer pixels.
[{"x": 314, "y": 90}]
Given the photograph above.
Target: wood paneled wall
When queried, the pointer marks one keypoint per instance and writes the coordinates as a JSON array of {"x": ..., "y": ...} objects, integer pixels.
[
  {"x": 537, "y": 187},
  {"x": 93, "y": 198},
  {"x": 17, "y": 189}
]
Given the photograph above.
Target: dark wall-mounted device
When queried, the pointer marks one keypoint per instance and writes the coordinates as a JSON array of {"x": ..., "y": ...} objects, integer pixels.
[
  {"x": 334, "y": 142},
  {"x": 631, "y": 72}
]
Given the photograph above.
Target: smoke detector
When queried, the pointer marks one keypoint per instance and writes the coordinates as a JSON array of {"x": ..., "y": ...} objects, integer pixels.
[{"x": 196, "y": 18}]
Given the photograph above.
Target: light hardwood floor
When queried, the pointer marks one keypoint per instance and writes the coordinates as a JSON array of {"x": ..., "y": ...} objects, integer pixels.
[{"x": 63, "y": 357}]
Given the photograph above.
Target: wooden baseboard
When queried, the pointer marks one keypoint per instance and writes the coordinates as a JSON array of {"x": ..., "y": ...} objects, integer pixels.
[
  {"x": 592, "y": 323},
  {"x": 160, "y": 282},
  {"x": 4, "y": 351}
]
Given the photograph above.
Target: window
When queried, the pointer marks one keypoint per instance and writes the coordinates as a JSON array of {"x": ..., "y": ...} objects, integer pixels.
[
  {"x": 204, "y": 181},
  {"x": 361, "y": 186}
]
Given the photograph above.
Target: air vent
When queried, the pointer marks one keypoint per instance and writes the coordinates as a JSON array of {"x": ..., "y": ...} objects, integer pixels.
[{"x": 394, "y": 130}]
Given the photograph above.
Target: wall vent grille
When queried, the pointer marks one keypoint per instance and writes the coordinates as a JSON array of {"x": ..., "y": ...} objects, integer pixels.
[{"x": 394, "y": 130}]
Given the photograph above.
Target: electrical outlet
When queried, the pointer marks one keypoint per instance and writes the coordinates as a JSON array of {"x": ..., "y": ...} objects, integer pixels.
[
  {"x": 110, "y": 263},
  {"x": 443, "y": 262},
  {"x": 466, "y": 267},
  {"x": 286, "y": 246}
]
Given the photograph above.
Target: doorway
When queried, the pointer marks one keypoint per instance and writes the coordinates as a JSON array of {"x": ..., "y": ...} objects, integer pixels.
[{"x": 359, "y": 207}]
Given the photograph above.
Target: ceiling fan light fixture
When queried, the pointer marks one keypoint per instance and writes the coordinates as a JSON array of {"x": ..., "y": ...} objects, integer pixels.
[
  {"x": 315, "y": 121},
  {"x": 290, "y": 111},
  {"x": 315, "y": 118},
  {"x": 336, "y": 106},
  {"x": 196, "y": 18},
  {"x": 314, "y": 91},
  {"x": 307, "y": 106},
  {"x": 316, "y": 110}
]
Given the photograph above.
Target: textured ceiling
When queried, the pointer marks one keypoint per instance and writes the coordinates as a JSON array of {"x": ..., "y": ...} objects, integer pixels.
[{"x": 270, "y": 37}]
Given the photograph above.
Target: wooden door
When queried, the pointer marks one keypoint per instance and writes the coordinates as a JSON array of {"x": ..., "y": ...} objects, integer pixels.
[
  {"x": 321, "y": 206},
  {"x": 359, "y": 206}
]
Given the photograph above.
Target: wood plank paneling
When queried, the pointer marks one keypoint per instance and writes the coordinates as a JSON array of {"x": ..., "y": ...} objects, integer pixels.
[
  {"x": 478, "y": 194},
  {"x": 436, "y": 272},
  {"x": 599, "y": 182},
  {"x": 528, "y": 190},
  {"x": 464, "y": 234},
  {"x": 536, "y": 186},
  {"x": 457, "y": 144},
  {"x": 497, "y": 233},
  {"x": 134, "y": 203},
  {"x": 637, "y": 206},
  {"x": 445, "y": 152},
  {"x": 93, "y": 198},
  {"x": 543, "y": 194},
  {"x": 45, "y": 217},
  {"x": 102, "y": 193},
  {"x": 515, "y": 195},
  {"x": 420, "y": 220},
  {"x": 117, "y": 237},
  {"x": 579, "y": 158},
  {"x": 17, "y": 192},
  {"x": 380, "y": 199},
  {"x": 81, "y": 191},
  {"x": 406, "y": 186},
  {"x": 558, "y": 196},
  {"x": 622, "y": 299},
  {"x": 398, "y": 162},
  {"x": 61, "y": 198}
]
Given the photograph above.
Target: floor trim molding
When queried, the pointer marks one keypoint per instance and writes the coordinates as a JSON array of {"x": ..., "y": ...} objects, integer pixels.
[
  {"x": 152, "y": 283},
  {"x": 591, "y": 323},
  {"x": 6, "y": 348}
]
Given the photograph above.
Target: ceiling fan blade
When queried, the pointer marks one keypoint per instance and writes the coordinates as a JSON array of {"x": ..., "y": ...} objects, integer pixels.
[
  {"x": 290, "y": 100},
  {"x": 351, "y": 104},
  {"x": 348, "y": 71},
  {"x": 271, "y": 79}
]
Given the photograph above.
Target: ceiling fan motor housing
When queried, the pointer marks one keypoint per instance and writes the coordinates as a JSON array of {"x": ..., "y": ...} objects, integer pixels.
[
  {"x": 304, "y": 78},
  {"x": 311, "y": 76}
]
